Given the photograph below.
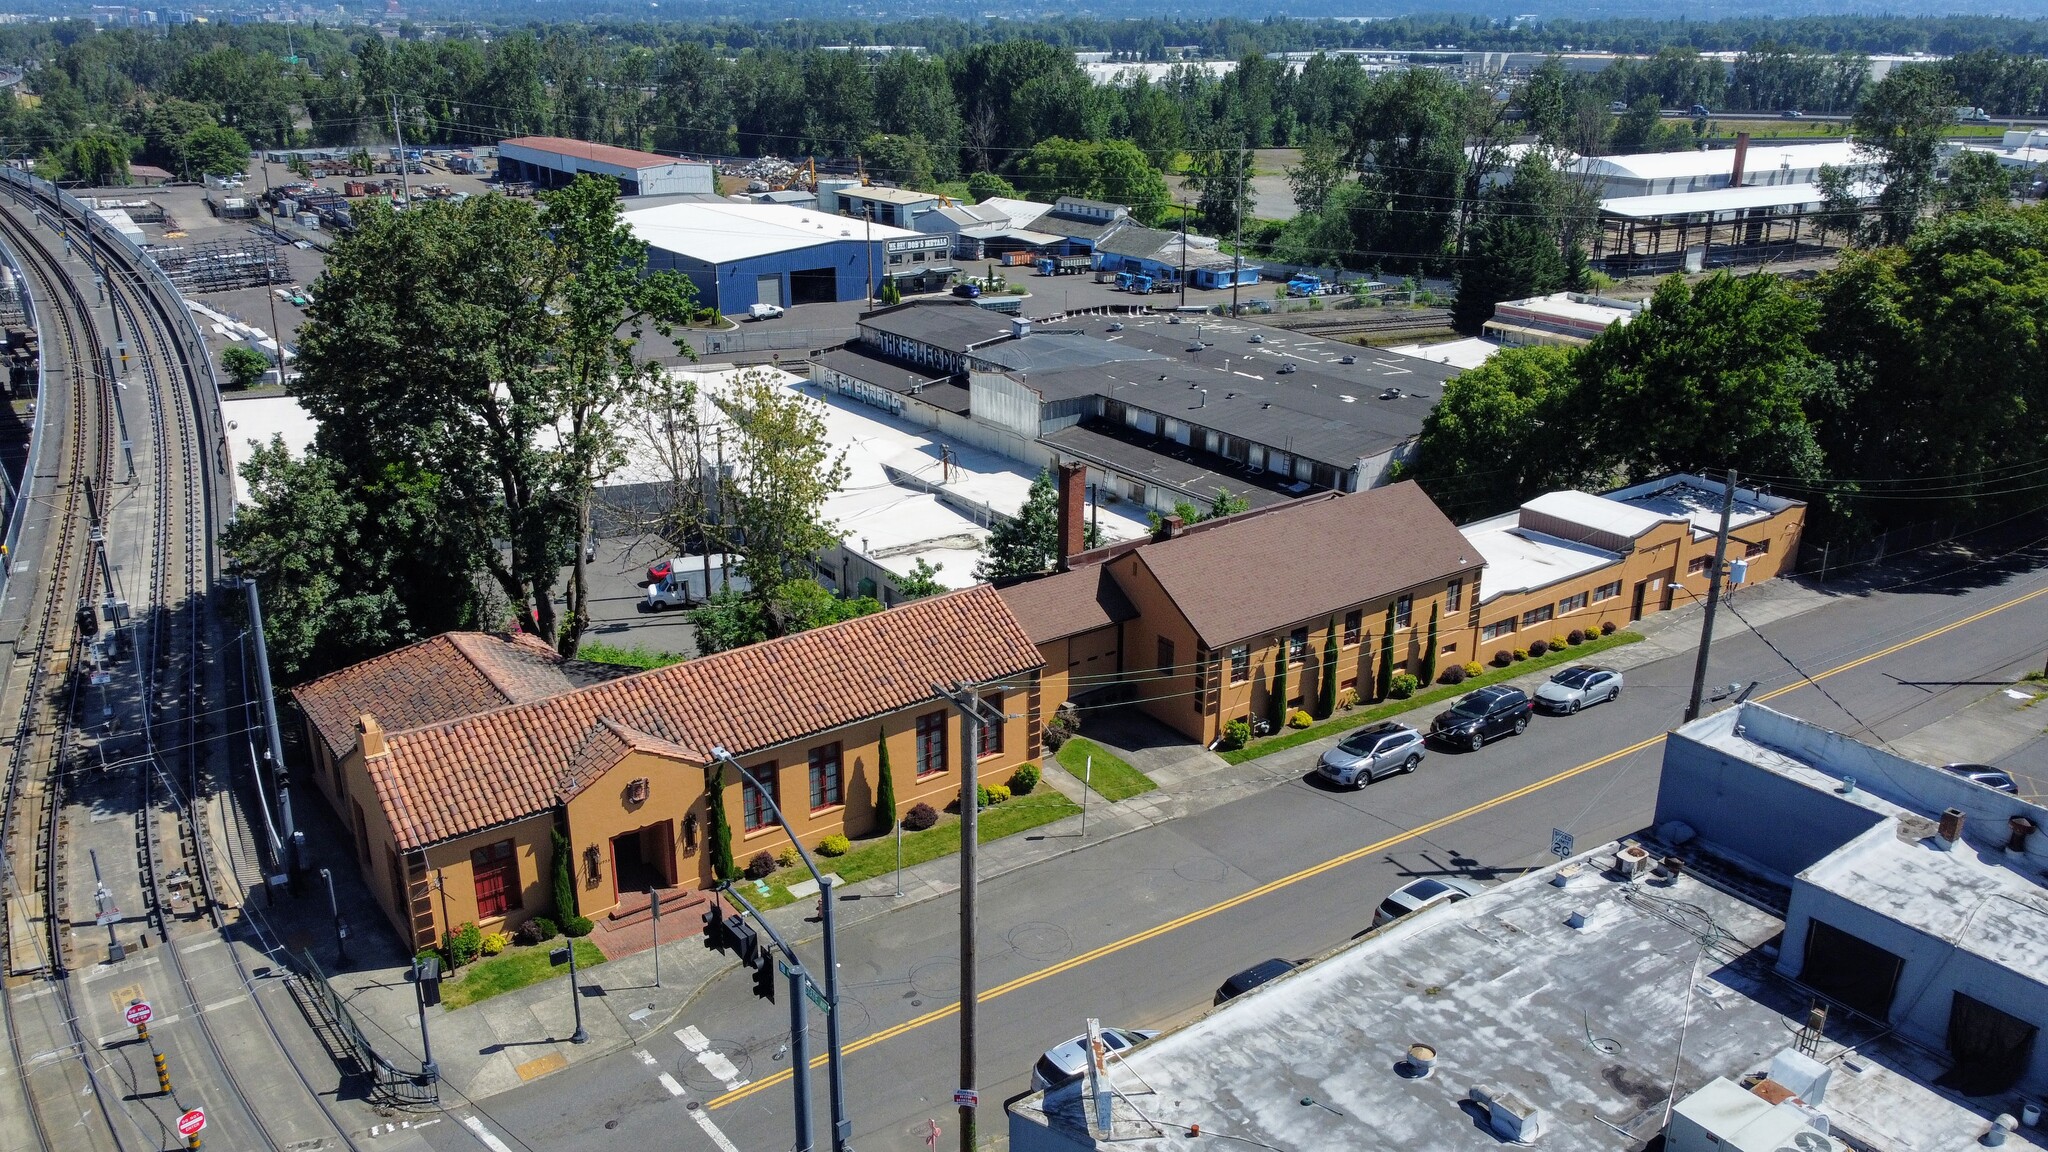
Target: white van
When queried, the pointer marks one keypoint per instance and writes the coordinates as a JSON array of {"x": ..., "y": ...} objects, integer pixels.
[{"x": 685, "y": 585}]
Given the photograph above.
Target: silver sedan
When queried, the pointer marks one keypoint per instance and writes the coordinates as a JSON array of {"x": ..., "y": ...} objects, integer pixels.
[{"x": 1577, "y": 687}]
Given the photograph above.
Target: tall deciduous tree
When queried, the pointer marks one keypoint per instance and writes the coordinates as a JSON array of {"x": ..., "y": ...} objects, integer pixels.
[
  {"x": 784, "y": 469},
  {"x": 1898, "y": 130},
  {"x": 1320, "y": 171},
  {"x": 1505, "y": 431},
  {"x": 1408, "y": 143}
]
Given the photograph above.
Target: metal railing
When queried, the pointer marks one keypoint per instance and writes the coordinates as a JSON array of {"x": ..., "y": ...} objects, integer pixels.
[{"x": 396, "y": 1084}]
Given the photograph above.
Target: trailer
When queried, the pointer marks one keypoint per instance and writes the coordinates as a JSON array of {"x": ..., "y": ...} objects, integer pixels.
[{"x": 1062, "y": 265}]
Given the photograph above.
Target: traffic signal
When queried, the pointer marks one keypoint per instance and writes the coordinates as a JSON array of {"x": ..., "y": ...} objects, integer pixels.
[
  {"x": 714, "y": 930},
  {"x": 764, "y": 979},
  {"x": 88, "y": 621},
  {"x": 746, "y": 942}
]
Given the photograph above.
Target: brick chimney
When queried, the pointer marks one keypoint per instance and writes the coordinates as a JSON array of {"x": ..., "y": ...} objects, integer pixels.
[
  {"x": 1073, "y": 538},
  {"x": 1741, "y": 157},
  {"x": 1169, "y": 527},
  {"x": 1951, "y": 830},
  {"x": 370, "y": 737}
]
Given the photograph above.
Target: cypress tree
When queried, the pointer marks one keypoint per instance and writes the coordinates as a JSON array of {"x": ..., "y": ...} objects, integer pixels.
[
  {"x": 1276, "y": 700},
  {"x": 721, "y": 831},
  {"x": 885, "y": 784},
  {"x": 1326, "y": 692},
  {"x": 1429, "y": 653},
  {"x": 565, "y": 879},
  {"x": 1386, "y": 681}
]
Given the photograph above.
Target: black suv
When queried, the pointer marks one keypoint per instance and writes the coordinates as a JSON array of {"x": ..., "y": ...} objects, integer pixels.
[{"x": 1480, "y": 716}]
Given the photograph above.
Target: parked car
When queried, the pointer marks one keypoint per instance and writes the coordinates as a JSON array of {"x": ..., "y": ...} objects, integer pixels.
[
  {"x": 1427, "y": 892},
  {"x": 967, "y": 291},
  {"x": 1252, "y": 977},
  {"x": 1257, "y": 338},
  {"x": 1286, "y": 368},
  {"x": 1578, "y": 686},
  {"x": 1986, "y": 775},
  {"x": 764, "y": 311},
  {"x": 1481, "y": 715},
  {"x": 1116, "y": 326},
  {"x": 659, "y": 570},
  {"x": 1700, "y": 111},
  {"x": 1618, "y": 107},
  {"x": 1383, "y": 749},
  {"x": 1066, "y": 1063},
  {"x": 1791, "y": 114}
]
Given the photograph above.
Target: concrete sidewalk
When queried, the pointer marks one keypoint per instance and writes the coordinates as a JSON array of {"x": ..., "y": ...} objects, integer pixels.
[{"x": 500, "y": 1043}]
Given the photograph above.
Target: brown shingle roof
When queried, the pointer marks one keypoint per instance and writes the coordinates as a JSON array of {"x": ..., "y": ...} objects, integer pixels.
[
  {"x": 450, "y": 675},
  {"x": 460, "y": 775},
  {"x": 1068, "y": 603},
  {"x": 1245, "y": 577}
]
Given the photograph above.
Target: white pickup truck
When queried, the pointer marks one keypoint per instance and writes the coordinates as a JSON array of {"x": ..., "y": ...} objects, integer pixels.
[{"x": 685, "y": 584}]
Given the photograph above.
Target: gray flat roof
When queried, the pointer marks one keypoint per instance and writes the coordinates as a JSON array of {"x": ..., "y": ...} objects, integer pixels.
[
  {"x": 1059, "y": 351},
  {"x": 888, "y": 195},
  {"x": 953, "y": 325},
  {"x": 896, "y": 376},
  {"x": 1325, "y": 409},
  {"x": 1197, "y": 473}
]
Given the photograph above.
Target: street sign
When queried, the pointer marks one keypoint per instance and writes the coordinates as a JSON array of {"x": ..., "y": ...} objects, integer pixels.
[
  {"x": 139, "y": 1013},
  {"x": 192, "y": 1123},
  {"x": 108, "y": 915},
  {"x": 812, "y": 994},
  {"x": 967, "y": 1098},
  {"x": 1560, "y": 843}
]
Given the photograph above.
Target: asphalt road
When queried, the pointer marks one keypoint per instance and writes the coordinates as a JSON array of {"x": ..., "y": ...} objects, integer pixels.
[{"x": 1140, "y": 930}]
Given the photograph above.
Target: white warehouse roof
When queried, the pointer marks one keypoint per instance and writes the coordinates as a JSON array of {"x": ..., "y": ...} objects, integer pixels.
[
  {"x": 1764, "y": 156},
  {"x": 717, "y": 231}
]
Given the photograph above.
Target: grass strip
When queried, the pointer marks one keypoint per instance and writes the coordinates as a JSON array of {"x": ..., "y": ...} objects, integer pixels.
[
  {"x": 509, "y": 970},
  {"x": 1267, "y": 745},
  {"x": 1111, "y": 777}
]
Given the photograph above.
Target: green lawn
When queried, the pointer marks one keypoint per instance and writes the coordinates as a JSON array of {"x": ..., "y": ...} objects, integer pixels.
[
  {"x": 515, "y": 968},
  {"x": 1344, "y": 721},
  {"x": 1111, "y": 778},
  {"x": 877, "y": 856}
]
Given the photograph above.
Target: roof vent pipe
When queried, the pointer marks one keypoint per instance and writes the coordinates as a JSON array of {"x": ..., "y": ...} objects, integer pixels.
[{"x": 1951, "y": 831}]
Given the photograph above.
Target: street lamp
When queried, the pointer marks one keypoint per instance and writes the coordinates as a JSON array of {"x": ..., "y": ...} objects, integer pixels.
[
  {"x": 426, "y": 970},
  {"x": 557, "y": 958},
  {"x": 340, "y": 925},
  {"x": 842, "y": 1128}
]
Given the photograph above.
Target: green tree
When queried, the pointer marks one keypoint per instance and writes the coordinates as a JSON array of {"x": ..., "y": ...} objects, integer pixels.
[
  {"x": 1386, "y": 671},
  {"x": 95, "y": 158},
  {"x": 775, "y": 497},
  {"x": 1029, "y": 542},
  {"x": 1429, "y": 653},
  {"x": 1276, "y": 697},
  {"x": 921, "y": 581},
  {"x": 214, "y": 151},
  {"x": 885, "y": 782},
  {"x": 1512, "y": 257},
  {"x": 1320, "y": 171},
  {"x": 1326, "y": 685},
  {"x": 983, "y": 185},
  {"x": 1123, "y": 175},
  {"x": 1408, "y": 144},
  {"x": 563, "y": 874},
  {"x": 1976, "y": 182},
  {"x": 1224, "y": 503},
  {"x": 166, "y": 128},
  {"x": 1056, "y": 167},
  {"x": 1224, "y": 195},
  {"x": 898, "y": 159},
  {"x": 1898, "y": 129},
  {"x": 1505, "y": 431},
  {"x": 720, "y": 831},
  {"x": 244, "y": 365}
]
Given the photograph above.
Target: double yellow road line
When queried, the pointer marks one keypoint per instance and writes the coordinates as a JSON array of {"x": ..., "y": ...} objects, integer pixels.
[{"x": 1334, "y": 862}]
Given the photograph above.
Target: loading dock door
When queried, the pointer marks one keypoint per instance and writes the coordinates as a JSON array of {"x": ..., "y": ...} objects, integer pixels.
[
  {"x": 1991, "y": 1047},
  {"x": 768, "y": 289},
  {"x": 1850, "y": 970},
  {"x": 813, "y": 286}
]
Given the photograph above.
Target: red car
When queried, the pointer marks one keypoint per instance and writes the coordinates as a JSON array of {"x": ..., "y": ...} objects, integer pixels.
[{"x": 659, "y": 570}]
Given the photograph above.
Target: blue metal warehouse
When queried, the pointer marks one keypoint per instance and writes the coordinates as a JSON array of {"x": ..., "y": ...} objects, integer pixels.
[{"x": 740, "y": 255}]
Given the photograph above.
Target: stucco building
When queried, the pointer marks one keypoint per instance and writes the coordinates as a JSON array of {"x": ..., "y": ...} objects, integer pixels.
[{"x": 455, "y": 761}]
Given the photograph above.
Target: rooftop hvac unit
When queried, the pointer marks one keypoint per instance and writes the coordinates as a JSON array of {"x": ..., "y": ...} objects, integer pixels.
[{"x": 1632, "y": 861}]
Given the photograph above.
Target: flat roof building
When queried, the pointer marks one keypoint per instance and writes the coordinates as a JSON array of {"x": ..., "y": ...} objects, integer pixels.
[
  {"x": 1626, "y": 996},
  {"x": 740, "y": 255},
  {"x": 550, "y": 161},
  {"x": 1570, "y": 319}
]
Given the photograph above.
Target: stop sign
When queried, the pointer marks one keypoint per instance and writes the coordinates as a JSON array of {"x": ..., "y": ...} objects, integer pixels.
[
  {"x": 139, "y": 1013},
  {"x": 191, "y": 1123}
]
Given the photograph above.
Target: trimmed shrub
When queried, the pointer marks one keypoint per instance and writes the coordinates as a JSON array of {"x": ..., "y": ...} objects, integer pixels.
[
  {"x": 1347, "y": 699},
  {"x": 1474, "y": 668},
  {"x": 760, "y": 866},
  {"x": 1607, "y": 627},
  {"x": 537, "y": 930},
  {"x": 463, "y": 944},
  {"x": 789, "y": 857},
  {"x": 1057, "y": 732},
  {"x": 1557, "y": 643},
  {"x": 1455, "y": 674},
  {"x": 433, "y": 953},
  {"x": 1299, "y": 719},
  {"x": 989, "y": 795},
  {"x": 495, "y": 942},
  {"x": 1503, "y": 658},
  {"x": 920, "y": 817},
  {"x": 834, "y": 845},
  {"x": 1575, "y": 637},
  {"x": 1023, "y": 780},
  {"x": 1403, "y": 685},
  {"x": 1236, "y": 734},
  {"x": 577, "y": 927},
  {"x": 1538, "y": 647},
  {"x": 1523, "y": 653}
]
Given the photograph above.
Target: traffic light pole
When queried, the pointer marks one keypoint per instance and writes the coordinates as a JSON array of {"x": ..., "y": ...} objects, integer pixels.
[{"x": 799, "y": 1027}]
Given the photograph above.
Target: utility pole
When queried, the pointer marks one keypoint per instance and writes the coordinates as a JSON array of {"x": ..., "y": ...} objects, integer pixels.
[
  {"x": 398, "y": 130},
  {"x": 1237, "y": 218},
  {"x": 868, "y": 214},
  {"x": 1183, "y": 253},
  {"x": 1699, "y": 668},
  {"x": 967, "y": 698},
  {"x": 275, "y": 756}
]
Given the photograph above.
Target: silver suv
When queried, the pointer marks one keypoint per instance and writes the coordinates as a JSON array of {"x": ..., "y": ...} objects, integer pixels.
[{"x": 1373, "y": 751}]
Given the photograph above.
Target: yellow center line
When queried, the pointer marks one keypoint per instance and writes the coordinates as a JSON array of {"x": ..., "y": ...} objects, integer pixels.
[{"x": 1351, "y": 857}]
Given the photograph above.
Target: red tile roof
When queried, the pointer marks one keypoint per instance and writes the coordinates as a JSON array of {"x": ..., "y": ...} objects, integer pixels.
[
  {"x": 1248, "y": 576},
  {"x": 1068, "y": 603},
  {"x": 462, "y": 774},
  {"x": 600, "y": 153},
  {"x": 451, "y": 675}
]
